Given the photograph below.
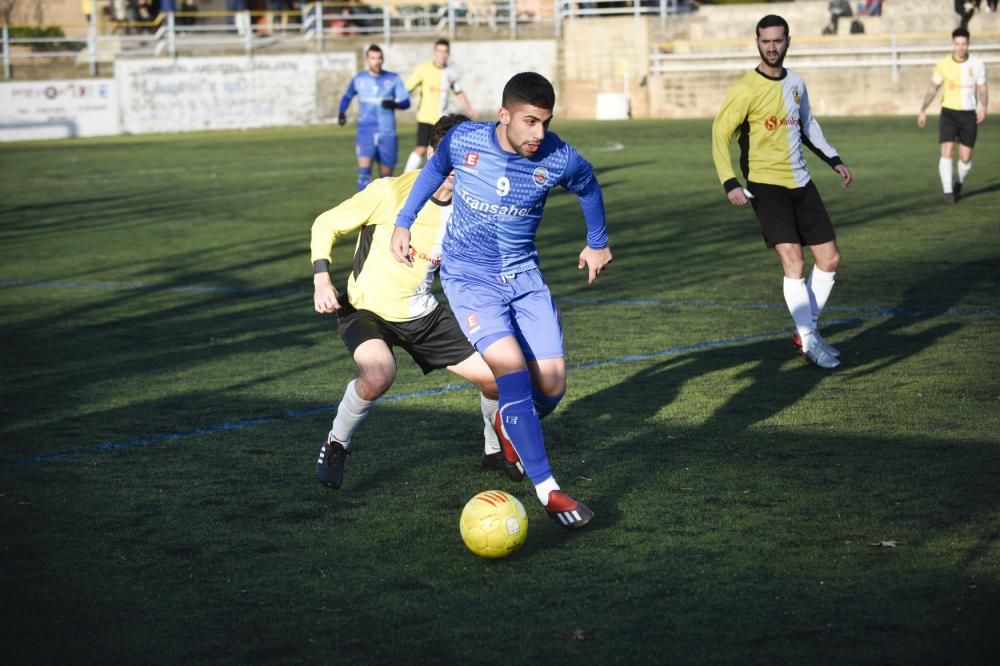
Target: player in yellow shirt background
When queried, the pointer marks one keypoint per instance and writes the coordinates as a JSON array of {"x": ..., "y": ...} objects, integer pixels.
[
  {"x": 389, "y": 305},
  {"x": 769, "y": 111},
  {"x": 436, "y": 79},
  {"x": 963, "y": 109}
]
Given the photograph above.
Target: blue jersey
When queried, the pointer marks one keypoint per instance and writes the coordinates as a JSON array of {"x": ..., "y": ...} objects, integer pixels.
[
  {"x": 371, "y": 91},
  {"x": 500, "y": 196}
]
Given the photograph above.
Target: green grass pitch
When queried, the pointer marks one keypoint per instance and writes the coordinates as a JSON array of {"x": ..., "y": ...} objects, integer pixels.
[{"x": 166, "y": 386}]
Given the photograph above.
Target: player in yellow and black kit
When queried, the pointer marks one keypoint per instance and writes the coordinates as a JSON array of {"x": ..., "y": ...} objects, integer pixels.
[
  {"x": 389, "y": 304},
  {"x": 963, "y": 109},
  {"x": 435, "y": 79},
  {"x": 769, "y": 111}
]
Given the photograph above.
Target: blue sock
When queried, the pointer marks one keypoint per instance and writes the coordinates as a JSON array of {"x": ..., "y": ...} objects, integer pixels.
[
  {"x": 521, "y": 423},
  {"x": 364, "y": 177},
  {"x": 545, "y": 404}
]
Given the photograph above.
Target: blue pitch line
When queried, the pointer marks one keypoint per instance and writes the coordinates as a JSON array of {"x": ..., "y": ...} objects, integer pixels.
[
  {"x": 569, "y": 300},
  {"x": 246, "y": 423}
]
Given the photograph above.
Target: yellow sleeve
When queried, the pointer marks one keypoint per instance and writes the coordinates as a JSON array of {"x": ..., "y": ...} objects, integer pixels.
[
  {"x": 415, "y": 79},
  {"x": 373, "y": 205},
  {"x": 732, "y": 114},
  {"x": 938, "y": 76}
]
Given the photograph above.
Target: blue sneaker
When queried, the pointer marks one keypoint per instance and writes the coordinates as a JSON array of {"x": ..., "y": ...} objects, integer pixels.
[{"x": 330, "y": 466}]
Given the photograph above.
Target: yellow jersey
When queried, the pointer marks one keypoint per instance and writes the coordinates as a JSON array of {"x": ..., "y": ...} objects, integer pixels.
[
  {"x": 773, "y": 121},
  {"x": 378, "y": 282},
  {"x": 960, "y": 80},
  {"x": 434, "y": 84}
]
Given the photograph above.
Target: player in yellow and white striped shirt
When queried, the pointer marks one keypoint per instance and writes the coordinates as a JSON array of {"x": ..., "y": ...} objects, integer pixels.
[
  {"x": 963, "y": 109},
  {"x": 389, "y": 304},
  {"x": 769, "y": 110},
  {"x": 435, "y": 79}
]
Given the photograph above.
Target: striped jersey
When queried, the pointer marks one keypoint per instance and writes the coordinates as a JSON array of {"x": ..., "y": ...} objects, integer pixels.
[
  {"x": 772, "y": 121},
  {"x": 371, "y": 90},
  {"x": 960, "y": 80},
  {"x": 434, "y": 84},
  {"x": 500, "y": 196},
  {"x": 378, "y": 282}
]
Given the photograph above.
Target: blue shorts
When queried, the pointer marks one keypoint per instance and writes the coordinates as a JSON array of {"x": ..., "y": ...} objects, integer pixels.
[
  {"x": 383, "y": 148},
  {"x": 490, "y": 307}
]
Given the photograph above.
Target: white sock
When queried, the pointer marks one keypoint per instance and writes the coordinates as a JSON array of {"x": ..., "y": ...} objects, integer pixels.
[
  {"x": 944, "y": 168},
  {"x": 413, "y": 162},
  {"x": 544, "y": 488},
  {"x": 351, "y": 412},
  {"x": 963, "y": 170},
  {"x": 489, "y": 408},
  {"x": 797, "y": 299},
  {"x": 820, "y": 285}
]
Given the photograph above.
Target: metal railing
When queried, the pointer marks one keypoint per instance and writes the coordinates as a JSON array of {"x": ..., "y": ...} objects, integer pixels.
[
  {"x": 316, "y": 26},
  {"x": 891, "y": 51}
]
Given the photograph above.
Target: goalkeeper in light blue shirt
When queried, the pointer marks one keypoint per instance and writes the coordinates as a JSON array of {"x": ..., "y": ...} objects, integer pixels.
[
  {"x": 490, "y": 270},
  {"x": 379, "y": 93}
]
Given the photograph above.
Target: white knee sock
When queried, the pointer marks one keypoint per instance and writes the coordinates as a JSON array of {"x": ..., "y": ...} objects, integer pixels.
[
  {"x": 413, "y": 162},
  {"x": 351, "y": 412},
  {"x": 797, "y": 299},
  {"x": 543, "y": 489},
  {"x": 963, "y": 170},
  {"x": 489, "y": 408},
  {"x": 944, "y": 168},
  {"x": 820, "y": 285}
]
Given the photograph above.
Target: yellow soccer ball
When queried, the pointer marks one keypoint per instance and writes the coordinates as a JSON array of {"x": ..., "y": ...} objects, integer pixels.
[{"x": 493, "y": 524}]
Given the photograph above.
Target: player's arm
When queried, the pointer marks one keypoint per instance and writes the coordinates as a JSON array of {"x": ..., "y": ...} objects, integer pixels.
[
  {"x": 467, "y": 105},
  {"x": 732, "y": 114},
  {"x": 982, "y": 101},
  {"x": 345, "y": 101},
  {"x": 937, "y": 78},
  {"x": 430, "y": 178},
  {"x": 812, "y": 137},
  {"x": 579, "y": 178},
  {"x": 339, "y": 221}
]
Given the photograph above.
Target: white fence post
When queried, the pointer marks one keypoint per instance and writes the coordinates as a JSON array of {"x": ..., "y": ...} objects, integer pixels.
[
  {"x": 92, "y": 42},
  {"x": 895, "y": 59},
  {"x": 386, "y": 27},
  {"x": 171, "y": 36},
  {"x": 6, "y": 52},
  {"x": 512, "y": 8}
]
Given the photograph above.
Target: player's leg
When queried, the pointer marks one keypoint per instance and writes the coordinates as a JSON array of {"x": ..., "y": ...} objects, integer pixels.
[
  {"x": 369, "y": 344},
  {"x": 548, "y": 381},
  {"x": 387, "y": 152},
  {"x": 967, "y": 131},
  {"x": 947, "y": 133},
  {"x": 816, "y": 230},
  {"x": 538, "y": 328},
  {"x": 416, "y": 158},
  {"x": 365, "y": 151},
  {"x": 436, "y": 341}
]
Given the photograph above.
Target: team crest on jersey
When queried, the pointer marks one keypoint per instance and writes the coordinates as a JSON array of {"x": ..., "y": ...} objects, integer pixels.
[
  {"x": 471, "y": 159},
  {"x": 540, "y": 176},
  {"x": 796, "y": 96}
]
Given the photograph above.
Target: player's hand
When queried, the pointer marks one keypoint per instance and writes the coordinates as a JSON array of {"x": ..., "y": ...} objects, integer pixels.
[
  {"x": 980, "y": 114},
  {"x": 921, "y": 120},
  {"x": 400, "y": 246},
  {"x": 737, "y": 197},
  {"x": 845, "y": 175},
  {"x": 324, "y": 294},
  {"x": 342, "y": 119},
  {"x": 388, "y": 104},
  {"x": 595, "y": 261},
  {"x": 473, "y": 114}
]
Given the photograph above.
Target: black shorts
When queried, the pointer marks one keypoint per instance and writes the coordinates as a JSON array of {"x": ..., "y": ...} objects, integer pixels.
[
  {"x": 434, "y": 341},
  {"x": 791, "y": 215},
  {"x": 424, "y": 134},
  {"x": 958, "y": 126}
]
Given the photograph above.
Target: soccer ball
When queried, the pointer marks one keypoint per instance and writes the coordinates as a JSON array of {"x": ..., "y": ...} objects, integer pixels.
[{"x": 493, "y": 524}]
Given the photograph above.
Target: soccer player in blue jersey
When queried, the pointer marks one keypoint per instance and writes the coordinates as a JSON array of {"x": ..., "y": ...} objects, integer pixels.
[
  {"x": 380, "y": 93},
  {"x": 490, "y": 271}
]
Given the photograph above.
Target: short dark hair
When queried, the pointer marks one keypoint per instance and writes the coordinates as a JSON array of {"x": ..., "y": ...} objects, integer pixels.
[
  {"x": 442, "y": 42},
  {"x": 959, "y": 32},
  {"x": 529, "y": 88},
  {"x": 772, "y": 21},
  {"x": 444, "y": 124},
  {"x": 374, "y": 48}
]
